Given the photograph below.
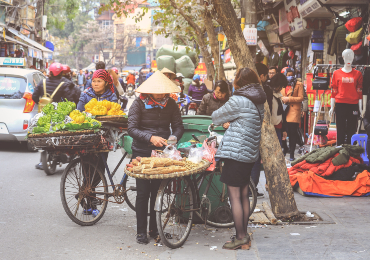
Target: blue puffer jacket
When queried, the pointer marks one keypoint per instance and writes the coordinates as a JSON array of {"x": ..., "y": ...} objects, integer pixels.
[
  {"x": 89, "y": 94},
  {"x": 244, "y": 111}
]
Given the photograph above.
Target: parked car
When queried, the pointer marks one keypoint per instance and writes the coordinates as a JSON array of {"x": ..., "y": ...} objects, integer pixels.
[{"x": 16, "y": 105}]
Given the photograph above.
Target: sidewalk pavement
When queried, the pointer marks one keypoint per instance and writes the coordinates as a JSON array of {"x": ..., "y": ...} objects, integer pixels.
[{"x": 347, "y": 239}]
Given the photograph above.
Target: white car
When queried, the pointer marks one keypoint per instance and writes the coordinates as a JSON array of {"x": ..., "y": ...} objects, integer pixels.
[{"x": 16, "y": 105}]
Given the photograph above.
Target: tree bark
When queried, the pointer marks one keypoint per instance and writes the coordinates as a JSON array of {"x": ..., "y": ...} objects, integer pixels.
[
  {"x": 280, "y": 190},
  {"x": 215, "y": 47},
  {"x": 199, "y": 39}
]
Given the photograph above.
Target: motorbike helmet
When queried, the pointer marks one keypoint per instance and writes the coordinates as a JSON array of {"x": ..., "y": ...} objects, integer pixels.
[
  {"x": 196, "y": 77},
  {"x": 132, "y": 72},
  {"x": 179, "y": 75},
  {"x": 66, "y": 68},
  {"x": 56, "y": 68},
  {"x": 115, "y": 70}
]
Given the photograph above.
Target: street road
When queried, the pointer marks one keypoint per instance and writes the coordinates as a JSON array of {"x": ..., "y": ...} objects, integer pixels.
[{"x": 33, "y": 224}]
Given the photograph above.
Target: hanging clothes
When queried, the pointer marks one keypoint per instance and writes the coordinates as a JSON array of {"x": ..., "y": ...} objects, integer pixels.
[{"x": 339, "y": 42}]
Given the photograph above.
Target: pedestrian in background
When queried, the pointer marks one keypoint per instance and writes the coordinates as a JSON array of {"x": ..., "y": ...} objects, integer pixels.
[
  {"x": 240, "y": 145},
  {"x": 213, "y": 101},
  {"x": 81, "y": 80}
]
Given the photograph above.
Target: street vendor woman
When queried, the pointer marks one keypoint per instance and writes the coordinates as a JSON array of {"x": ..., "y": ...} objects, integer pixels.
[
  {"x": 240, "y": 146},
  {"x": 101, "y": 89},
  {"x": 153, "y": 119}
]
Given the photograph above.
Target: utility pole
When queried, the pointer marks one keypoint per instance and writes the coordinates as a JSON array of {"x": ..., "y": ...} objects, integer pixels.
[{"x": 248, "y": 11}]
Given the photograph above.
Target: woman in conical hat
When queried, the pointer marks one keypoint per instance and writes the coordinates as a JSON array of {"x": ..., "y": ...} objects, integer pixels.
[{"x": 153, "y": 119}]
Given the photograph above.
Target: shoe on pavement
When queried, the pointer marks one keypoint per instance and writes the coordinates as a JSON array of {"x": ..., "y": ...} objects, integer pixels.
[
  {"x": 142, "y": 239},
  {"x": 39, "y": 166},
  {"x": 234, "y": 244},
  {"x": 260, "y": 195},
  {"x": 292, "y": 159},
  {"x": 87, "y": 211}
]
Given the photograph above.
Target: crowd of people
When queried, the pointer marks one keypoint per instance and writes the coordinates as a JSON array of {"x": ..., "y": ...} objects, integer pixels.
[{"x": 154, "y": 117}]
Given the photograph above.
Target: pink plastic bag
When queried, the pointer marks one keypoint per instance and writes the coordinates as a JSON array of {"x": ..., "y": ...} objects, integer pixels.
[{"x": 209, "y": 154}]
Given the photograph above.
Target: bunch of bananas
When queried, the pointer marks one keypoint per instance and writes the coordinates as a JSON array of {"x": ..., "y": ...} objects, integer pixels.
[{"x": 102, "y": 108}]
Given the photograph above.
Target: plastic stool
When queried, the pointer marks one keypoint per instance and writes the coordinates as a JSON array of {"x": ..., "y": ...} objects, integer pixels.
[{"x": 361, "y": 140}]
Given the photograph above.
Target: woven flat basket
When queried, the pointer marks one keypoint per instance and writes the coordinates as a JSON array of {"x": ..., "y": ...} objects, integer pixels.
[
  {"x": 202, "y": 166},
  {"x": 121, "y": 119},
  {"x": 62, "y": 133}
]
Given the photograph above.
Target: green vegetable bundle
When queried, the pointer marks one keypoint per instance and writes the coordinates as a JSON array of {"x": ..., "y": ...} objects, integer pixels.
[
  {"x": 65, "y": 108},
  {"x": 59, "y": 127},
  {"x": 57, "y": 117},
  {"x": 48, "y": 109},
  {"x": 41, "y": 129},
  {"x": 44, "y": 120}
]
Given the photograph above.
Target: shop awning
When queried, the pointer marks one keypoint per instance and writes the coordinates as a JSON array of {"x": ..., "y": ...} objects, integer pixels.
[{"x": 31, "y": 42}]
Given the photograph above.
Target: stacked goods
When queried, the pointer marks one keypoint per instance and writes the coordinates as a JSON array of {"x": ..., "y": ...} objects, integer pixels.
[
  {"x": 155, "y": 165},
  {"x": 103, "y": 108},
  {"x": 179, "y": 59},
  {"x": 62, "y": 117},
  {"x": 166, "y": 61}
]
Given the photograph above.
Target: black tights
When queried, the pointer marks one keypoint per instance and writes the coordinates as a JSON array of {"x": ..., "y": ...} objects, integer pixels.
[{"x": 240, "y": 208}]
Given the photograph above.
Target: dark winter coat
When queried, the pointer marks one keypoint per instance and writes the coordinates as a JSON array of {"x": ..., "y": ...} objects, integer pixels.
[
  {"x": 244, "y": 111},
  {"x": 367, "y": 118},
  {"x": 66, "y": 91},
  {"x": 89, "y": 94},
  {"x": 145, "y": 123},
  {"x": 210, "y": 104},
  {"x": 75, "y": 91}
]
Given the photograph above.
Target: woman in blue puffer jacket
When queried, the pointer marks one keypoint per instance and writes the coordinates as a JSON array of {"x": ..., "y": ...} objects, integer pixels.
[
  {"x": 101, "y": 89},
  {"x": 242, "y": 115}
]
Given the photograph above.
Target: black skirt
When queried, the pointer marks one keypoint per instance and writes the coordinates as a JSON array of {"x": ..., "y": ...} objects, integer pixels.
[{"x": 236, "y": 174}]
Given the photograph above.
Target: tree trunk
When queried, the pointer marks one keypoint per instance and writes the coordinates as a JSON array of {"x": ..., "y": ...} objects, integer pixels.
[
  {"x": 280, "y": 190},
  {"x": 215, "y": 48}
]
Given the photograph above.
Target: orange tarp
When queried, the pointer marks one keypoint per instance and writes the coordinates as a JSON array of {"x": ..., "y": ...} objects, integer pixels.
[{"x": 312, "y": 184}]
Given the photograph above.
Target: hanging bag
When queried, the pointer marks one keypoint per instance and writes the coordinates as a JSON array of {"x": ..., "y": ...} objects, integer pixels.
[
  {"x": 47, "y": 99},
  {"x": 320, "y": 83}
]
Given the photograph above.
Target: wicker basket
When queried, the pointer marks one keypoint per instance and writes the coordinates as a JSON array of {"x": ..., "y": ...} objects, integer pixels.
[
  {"x": 62, "y": 133},
  {"x": 202, "y": 166},
  {"x": 83, "y": 141},
  {"x": 121, "y": 119}
]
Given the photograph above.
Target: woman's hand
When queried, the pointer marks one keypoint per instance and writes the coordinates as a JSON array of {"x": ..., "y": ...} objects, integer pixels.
[
  {"x": 285, "y": 135},
  {"x": 158, "y": 141},
  {"x": 226, "y": 125},
  {"x": 285, "y": 99}
]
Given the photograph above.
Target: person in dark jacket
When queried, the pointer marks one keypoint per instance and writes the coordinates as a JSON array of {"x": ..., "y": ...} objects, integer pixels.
[
  {"x": 65, "y": 92},
  {"x": 88, "y": 82},
  {"x": 239, "y": 149},
  {"x": 102, "y": 89},
  {"x": 366, "y": 121},
  {"x": 213, "y": 101},
  {"x": 153, "y": 119}
]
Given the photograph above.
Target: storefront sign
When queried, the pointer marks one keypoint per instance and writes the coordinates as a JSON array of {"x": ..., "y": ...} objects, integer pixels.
[
  {"x": 227, "y": 56},
  {"x": 297, "y": 25},
  {"x": 283, "y": 22},
  {"x": 309, "y": 8},
  {"x": 201, "y": 69},
  {"x": 311, "y": 94},
  {"x": 317, "y": 23},
  {"x": 12, "y": 62},
  {"x": 250, "y": 35}
]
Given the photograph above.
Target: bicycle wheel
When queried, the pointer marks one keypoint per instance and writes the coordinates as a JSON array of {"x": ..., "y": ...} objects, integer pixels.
[
  {"x": 48, "y": 163},
  {"x": 84, "y": 192},
  {"x": 175, "y": 213},
  {"x": 221, "y": 214}
]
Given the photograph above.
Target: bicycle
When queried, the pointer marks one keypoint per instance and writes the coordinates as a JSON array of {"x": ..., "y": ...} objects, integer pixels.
[{"x": 181, "y": 198}]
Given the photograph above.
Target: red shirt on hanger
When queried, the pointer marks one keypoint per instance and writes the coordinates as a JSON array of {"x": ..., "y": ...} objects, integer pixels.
[{"x": 346, "y": 87}]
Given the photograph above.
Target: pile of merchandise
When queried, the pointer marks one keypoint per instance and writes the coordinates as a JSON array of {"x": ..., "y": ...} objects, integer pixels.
[
  {"x": 154, "y": 165},
  {"x": 62, "y": 117},
  {"x": 331, "y": 172},
  {"x": 103, "y": 108}
]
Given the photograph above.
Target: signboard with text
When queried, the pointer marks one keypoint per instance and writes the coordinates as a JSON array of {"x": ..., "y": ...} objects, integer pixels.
[
  {"x": 250, "y": 35},
  {"x": 12, "y": 62},
  {"x": 227, "y": 56},
  {"x": 201, "y": 69},
  {"x": 311, "y": 94}
]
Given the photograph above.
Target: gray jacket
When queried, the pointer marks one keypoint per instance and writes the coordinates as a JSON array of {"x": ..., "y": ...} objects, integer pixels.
[{"x": 244, "y": 111}]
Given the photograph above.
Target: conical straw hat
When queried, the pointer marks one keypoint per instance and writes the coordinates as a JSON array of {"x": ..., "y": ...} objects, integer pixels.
[
  {"x": 158, "y": 83},
  {"x": 165, "y": 70}
]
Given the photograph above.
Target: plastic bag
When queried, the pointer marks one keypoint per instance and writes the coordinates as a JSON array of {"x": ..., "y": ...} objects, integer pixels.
[
  {"x": 195, "y": 155},
  {"x": 209, "y": 152},
  {"x": 171, "y": 152}
]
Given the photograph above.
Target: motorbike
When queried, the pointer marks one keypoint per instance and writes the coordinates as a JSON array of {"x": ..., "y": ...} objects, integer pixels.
[
  {"x": 130, "y": 90},
  {"x": 182, "y": 102},
  {"x": 193, "y": 107},
  {"x": 50, "y": 161}
]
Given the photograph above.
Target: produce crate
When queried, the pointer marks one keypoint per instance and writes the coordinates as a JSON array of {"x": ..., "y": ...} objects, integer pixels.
[{"x": 121, "y": 119}]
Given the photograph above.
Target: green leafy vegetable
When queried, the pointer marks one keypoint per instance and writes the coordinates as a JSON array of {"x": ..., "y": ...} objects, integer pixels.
[
  {"x": 48, "y": 109},
  {"x": 44, "y": 120}
]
